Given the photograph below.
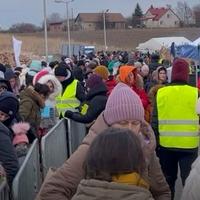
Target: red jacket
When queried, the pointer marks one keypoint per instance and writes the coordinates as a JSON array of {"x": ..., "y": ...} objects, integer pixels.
[
  {"x": 110, "y": 84},
  {"x": 198, "y": 83},
  {"x": 143, "y": 96}
]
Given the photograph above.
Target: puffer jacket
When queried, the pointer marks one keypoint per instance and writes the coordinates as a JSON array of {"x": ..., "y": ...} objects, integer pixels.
[
  {"x": 191, "y": 189},
  {"x": 29, "y": 109},
  {"x": 64, "y": 182},
  {"x": 95, "y": 189},
  {"x": 95, "y": 102}
]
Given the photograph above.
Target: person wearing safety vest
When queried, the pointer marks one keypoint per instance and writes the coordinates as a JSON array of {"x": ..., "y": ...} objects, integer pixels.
[
  {"x": 72, "y": 91},
  {"x": 95, "y": 103},
  {"x": 176, "y": 124}
]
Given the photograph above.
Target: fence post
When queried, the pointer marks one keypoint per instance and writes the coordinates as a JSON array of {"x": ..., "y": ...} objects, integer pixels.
[{"x": 4, "y": 191}]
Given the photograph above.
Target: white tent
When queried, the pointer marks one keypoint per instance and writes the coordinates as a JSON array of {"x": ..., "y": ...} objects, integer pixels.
[
  {"x": 155, "y": 44},
  {"x": 196, "y": 42}
]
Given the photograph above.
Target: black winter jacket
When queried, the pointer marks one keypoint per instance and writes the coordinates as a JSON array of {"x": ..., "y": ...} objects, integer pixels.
[
  {"x": 8, "y": 157},
  {"x": 96, "y": 101}
]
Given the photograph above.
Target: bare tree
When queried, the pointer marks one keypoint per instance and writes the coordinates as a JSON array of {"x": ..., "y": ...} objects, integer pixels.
[
  {"x": 185, "y": 13},
  {"x": 54, "y": 17},
  {"x": 24, "y": 28}
]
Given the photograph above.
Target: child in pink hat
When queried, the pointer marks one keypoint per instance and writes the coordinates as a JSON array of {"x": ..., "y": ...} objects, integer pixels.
[{"x": 20, "y": 140}]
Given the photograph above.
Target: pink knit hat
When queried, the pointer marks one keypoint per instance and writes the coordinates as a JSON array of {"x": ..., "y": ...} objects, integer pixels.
[
  {"x": 123, "y": 104},
  {"x": 20, "y": 130}
]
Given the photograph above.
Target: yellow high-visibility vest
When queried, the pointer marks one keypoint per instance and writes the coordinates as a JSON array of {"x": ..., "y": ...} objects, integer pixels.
[
  {"x": 68, "y": 100},
  {"x": 84, "y": 109},
  {"x": 177, "y": 118}
]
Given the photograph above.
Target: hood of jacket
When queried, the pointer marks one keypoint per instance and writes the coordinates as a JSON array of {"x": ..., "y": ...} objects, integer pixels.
[
  {"x": 95, "y": 189},
  {"x": 156, "y": 75},
  {"x": 124, "y": 72},
  {"x": 146, "y": 135},
  {"x": 100, "y": 89},
  {"x": 29, "y": 92},
  {"x": 56, "y": 83}
]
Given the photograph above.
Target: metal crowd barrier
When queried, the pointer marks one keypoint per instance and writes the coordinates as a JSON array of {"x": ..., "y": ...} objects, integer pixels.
[
  {"x": 76, "y": 133},
  {"x": 4, "y": 191},
  {"x": 54, "y": 146},
  {"x": 60, "y": 142},
  {"x": 27, "y": 182}
]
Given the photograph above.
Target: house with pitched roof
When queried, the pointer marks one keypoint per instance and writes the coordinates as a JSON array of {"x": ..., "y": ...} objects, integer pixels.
[
  {"x": 160, "y": 18},
  {"x": 56, "y": 26},
  {"x": 94, "y": 21}
]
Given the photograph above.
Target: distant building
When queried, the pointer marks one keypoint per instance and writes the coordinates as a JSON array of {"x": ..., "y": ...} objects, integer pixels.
[
  {"x": 56, "y": 27},
  {"x": 160, "y": 18},
  {"x": 94, "y": 21},
  {"x": 197, "y": 18},
  {"x": 61, "y": 26}
]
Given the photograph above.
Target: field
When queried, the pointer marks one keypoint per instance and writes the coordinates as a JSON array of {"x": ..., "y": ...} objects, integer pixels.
[{"x": 116, "y": 39}]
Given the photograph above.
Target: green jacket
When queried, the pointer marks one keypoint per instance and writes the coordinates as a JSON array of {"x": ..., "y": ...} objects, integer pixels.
[{"x": 29, "y": 109}]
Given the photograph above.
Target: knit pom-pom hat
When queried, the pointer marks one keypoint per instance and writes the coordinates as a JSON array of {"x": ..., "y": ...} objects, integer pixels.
[{"x": 20, "y": 130}]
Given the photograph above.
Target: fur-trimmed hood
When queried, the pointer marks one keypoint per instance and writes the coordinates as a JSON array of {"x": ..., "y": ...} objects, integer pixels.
[
  {"x": 156, "y": 73},
  {"x": 57, "y": 86}
]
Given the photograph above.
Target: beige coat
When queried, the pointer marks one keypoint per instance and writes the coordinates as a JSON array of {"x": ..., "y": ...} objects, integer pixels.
[
  {"x": 95, "y": 190},
  {"x": 191, "y": 189},
  {"x": 64, "y": 182}
]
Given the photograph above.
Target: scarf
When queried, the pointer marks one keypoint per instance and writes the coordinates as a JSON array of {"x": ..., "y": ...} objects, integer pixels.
[{"x": 131, "y": 179}]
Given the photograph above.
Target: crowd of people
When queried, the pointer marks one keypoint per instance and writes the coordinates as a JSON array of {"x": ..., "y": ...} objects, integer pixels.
[{"x": 141, "y": 124}]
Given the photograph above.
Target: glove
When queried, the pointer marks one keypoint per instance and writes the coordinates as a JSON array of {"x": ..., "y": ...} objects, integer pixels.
[{"x": 68, "y": 114}]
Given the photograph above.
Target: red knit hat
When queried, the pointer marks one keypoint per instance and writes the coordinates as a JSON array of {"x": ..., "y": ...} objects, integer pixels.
[{"x": 180, "y": 70}]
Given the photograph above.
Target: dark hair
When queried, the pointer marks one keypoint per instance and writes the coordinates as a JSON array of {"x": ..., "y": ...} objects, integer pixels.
[
  {"x": 28, "y": 79},
  {"x": 113, "y": 152},
  {"x": 42, "y": 89},
  {"x": 53, "y": 64},
  {"x": 44, "y": 64},
  {"x": 162, "y": 68}
]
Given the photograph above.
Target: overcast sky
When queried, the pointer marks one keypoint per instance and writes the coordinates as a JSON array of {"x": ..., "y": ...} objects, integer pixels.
[{"x": 15, "y": 11}]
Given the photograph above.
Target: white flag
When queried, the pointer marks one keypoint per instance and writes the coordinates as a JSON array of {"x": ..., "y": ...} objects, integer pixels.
[{"x": 17, "y": 50}]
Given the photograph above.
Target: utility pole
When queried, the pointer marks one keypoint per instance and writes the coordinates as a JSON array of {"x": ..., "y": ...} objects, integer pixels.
[{"x": 104, "y": 29}]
